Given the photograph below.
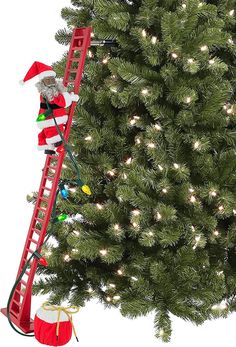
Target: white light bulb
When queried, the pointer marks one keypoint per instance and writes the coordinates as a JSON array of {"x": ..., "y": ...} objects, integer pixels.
[
  {"x": 216, "y": 232},
  {"x": 214, "y": 307},
  {"x": 129, "y": 161},
  {"x": 132, "y": 121},
  {"x": 159, "y": 216},
  {"x": 116, "y": 297},
  {"x": 136, "y": 212},
  {"x": 90, "y": 54},
  {"x": 99, "y": 206},
  {"x": 213, "y": 193},
  {"x": 108, "y": 298},
  {"x": 188, "y": 99},
  {"x": 116, "y": 227},
  {"x": 200, "y": 4},
  {"x": 197, "y": 238},
  {"x": 193, "y": 228},
  {"x": 72, "y": 190},
  {"x": 161, "y": 332},
  {"x": 176, "y": 166},
  {"x": 204, "y": 48},
  {"x": 160, "y": 168},
  {"x": 230, "y": 110},
  {"x": 92, "y": 34},
  {"x": 196, "y": 145},
  {"x": 76, "y": 232},
  {"x": 90, "y": 290},
  {"x": 144, "y": 91},
  {"x": 111, "y": 173},
  {"x": 67, "y": 258},
  {"x": 114, "y": 89},
  {"x": 150, "y": 233},
  {"x": 88, "y": 138},
  {"x": 124, "y": 176},
  {"x": 144, "y": 33},
  {"x": 184, "y": 6},
  {"x": 192, "y": 199},
  {"x": 174, "y": 55},
  {"x": 138, "y": 141},
  {"x": 135, "y": 225},
  {"x": 164, "y": 190},
  {"x": 105, "y": 60},
  {"x": 231, "y": 41},
  {"x": 64, "y": 166},
  {"x": 190, "y": 61},
  {"x": 191, "y": 190},
  {"x": 103, "y": 252},
  {"x": 231, "y": 13},
  {"x": 234, "y": 212},
  {"x": 151, "y": 145},
  {"x": 112, "y": 285},
  {"x": 221, "y": 208},
  {"x": 154, "y": 40},
  {"x": 120, "y": 272},
  {"x": 157, "y": 127},
  {"x": 134, "y": 278},
  {"x": 212, "y": 61}
]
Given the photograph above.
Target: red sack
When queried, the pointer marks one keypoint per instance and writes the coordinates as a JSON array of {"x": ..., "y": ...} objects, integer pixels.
[{"x": 53, "y": 324}]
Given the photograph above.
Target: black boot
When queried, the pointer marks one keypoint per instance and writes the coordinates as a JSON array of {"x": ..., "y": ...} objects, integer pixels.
[
  {"x": 57, "y": 144},
  {"x": 49, "y": 151}
]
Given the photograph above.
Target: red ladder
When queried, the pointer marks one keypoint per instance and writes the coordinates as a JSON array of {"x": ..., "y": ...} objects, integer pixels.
[{"x": 20, "y": 306}]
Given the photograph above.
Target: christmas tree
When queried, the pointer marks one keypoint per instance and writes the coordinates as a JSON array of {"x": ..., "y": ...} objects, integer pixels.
[{"x": 154, "y": 138}]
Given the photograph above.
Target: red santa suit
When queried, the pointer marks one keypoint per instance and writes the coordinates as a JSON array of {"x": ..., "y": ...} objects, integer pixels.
[{"x": 49, "y": 135}]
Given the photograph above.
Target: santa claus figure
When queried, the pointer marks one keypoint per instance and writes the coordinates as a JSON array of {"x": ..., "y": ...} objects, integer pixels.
[{"x": 54, "y": 99}]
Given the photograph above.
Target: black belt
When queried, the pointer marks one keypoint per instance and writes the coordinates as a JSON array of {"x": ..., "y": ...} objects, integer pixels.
[{"x": 52, "y": 106}]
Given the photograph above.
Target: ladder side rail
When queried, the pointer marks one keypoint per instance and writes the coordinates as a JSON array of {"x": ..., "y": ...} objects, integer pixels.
[
  {"x": 35, "y": 214},
  {"x": 26, "y": 303}
]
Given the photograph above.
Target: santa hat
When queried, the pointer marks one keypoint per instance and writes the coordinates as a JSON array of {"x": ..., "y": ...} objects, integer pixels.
[{"x": 38, "y": 69}]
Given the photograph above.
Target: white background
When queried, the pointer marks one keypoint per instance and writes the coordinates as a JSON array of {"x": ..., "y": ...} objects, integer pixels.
[{"x": 27, "y": 34}]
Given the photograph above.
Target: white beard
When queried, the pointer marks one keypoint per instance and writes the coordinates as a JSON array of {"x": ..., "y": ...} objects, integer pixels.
[{"x": 50, "y": 92}]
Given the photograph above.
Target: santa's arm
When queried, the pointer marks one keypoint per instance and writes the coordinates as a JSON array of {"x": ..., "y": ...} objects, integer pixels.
[{"x": 63, "y": 100}]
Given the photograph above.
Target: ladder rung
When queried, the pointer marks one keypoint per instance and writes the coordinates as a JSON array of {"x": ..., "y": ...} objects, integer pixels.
[
  {"x": 37, "y": 231},
  {"x": 30, "y": 250},
  {"x": 42, "y": 209},
  {"x": 16, "y": 302},
  {"x": 77, "y": 48},
  {"x": 27, "y": 273},
  {"x": 13, "y": 313},
  {"x": 73, "y": 70},
  {"x": 46, "y": 188},
  {"x": 39, "y": 219},
  {"x": 23, "y": 282},
  {"x": 43, "y": 199},
  {"x": 34, "y": 241},
  {"x": 20, "y": 292},
  {"x": 74, "y": 59},
  {"x": 50, "y": 178},
  {"x": 79, "y": 37}
]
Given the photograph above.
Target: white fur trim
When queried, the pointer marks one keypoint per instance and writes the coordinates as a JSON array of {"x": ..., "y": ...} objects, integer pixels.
[
  {"x": 50, "y": 122},
  {"x": 51, "y": 316},
  {"x": 53, "y": 139},
  {"x": 67, "y": 98},
  {"x": 43, "y": 147},
  {"x": 21, "y": 82},
  {"x": 48, "y": 73}
]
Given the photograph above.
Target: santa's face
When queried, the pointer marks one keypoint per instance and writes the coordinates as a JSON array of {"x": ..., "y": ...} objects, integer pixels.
[{"x": 49, "y": 81}]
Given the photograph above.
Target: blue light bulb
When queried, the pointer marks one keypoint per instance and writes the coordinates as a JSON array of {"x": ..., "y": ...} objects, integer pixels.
[{"x": 64, "y": 193}]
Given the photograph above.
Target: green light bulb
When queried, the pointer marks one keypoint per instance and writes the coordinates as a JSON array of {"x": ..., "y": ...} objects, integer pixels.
[
  {"x": 41, "y": 117},
  {"x": 62, "y": 217}
]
